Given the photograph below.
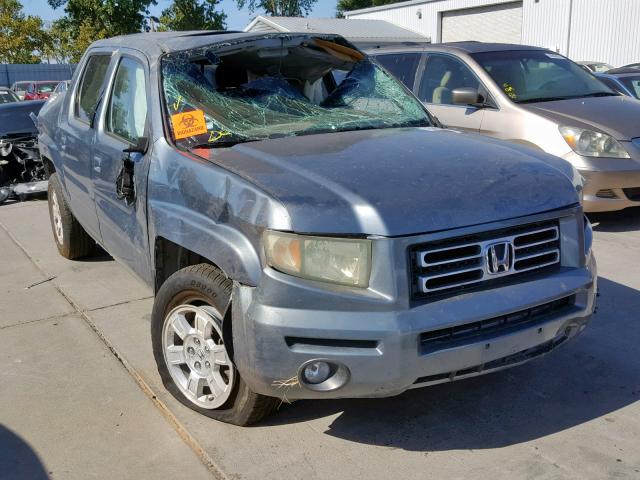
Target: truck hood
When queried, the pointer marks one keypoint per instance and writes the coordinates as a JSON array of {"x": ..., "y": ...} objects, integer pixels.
[
  {"x": 394, "y": 182},
  {"x": 14, "y": 117},
  {"x": 617, "y": 116}
]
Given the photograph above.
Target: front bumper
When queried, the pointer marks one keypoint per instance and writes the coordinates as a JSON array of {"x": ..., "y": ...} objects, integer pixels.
[
  {"x": 610, "y": 183},
  {"x": 380, "y": 344}
]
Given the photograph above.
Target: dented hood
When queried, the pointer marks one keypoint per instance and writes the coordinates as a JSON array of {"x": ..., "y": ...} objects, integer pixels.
[{"x": 400, "y": 181}]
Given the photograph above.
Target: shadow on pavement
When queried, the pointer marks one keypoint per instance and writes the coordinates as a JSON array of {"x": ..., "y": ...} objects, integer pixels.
[
  {"x": 17, "y": 458},
  {"x": 589, "y": 378},
  {"x": 627, "y": 220}
]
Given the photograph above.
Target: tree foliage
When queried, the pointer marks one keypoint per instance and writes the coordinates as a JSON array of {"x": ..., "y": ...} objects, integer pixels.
[
  {"x": 21, "y": 36},
  {"x": 88, "y": 20},
  {"x": 193, "y": 15},
  {"x": 348, "y": 5},
  {"x": 279, "y": 8},
  {"x": 113, "y": 17}
]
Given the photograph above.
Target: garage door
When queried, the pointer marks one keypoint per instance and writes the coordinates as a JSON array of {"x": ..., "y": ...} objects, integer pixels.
[{"x": 495, "y": 23}]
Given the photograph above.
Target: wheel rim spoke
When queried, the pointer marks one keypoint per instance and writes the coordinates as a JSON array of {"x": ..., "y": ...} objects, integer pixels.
[
  {"x": 202, "y": 325},
  {"x": 175, "y": 355},
  {"x": 195, "y": 384},
  {"x": 219, "y": 355},
  {"x": 216, "y": 384},
  {"x": 181, "y": 325}
]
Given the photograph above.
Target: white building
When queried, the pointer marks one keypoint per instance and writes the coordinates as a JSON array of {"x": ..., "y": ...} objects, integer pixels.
[
  {"x": 594, "y": 30},
  {"x": 364, "y": 33}
]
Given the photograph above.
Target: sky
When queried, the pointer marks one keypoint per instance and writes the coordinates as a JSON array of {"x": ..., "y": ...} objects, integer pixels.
[{"x": 236, "y": 19}]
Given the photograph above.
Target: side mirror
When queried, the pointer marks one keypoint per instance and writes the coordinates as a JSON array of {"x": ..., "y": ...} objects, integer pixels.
[
  {"x": 466, "y": 96},
  {"x": 141, "y": 146}
]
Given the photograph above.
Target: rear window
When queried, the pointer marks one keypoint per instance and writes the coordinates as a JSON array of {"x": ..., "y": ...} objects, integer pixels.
[
  {"x": 46, "y": 87},
  {"x": 403, "y": 66},
  {"x": 91, "y": 87}
]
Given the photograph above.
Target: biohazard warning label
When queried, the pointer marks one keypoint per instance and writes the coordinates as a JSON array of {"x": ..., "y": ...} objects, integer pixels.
[{"x": 188, "y": 124}]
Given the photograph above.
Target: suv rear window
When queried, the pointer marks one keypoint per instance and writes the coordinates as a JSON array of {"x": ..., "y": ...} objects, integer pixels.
[
  {"x": 403, "y": 66},
  {"x": 91, "y": 87}
]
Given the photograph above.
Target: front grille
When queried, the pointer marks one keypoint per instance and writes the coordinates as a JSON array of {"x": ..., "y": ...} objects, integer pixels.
[
  {"x": 606, "y": 193},
  {"x": 632, "y": 193},
  {"x": 471, "y": 332},
  {"x": 450, "y": 266}
]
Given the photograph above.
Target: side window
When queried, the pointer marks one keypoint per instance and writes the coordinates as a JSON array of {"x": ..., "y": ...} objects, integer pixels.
[
  {"x": 127, "y": 114},
  {"x": 402, "y": 65},
  {"x": 443, "y": 74},
  {"x": 90, "y": 90}
]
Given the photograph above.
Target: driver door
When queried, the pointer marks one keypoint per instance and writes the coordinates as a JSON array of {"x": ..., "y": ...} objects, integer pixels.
[
  {"x": 443, "y": 74},
  {"x": 124, "y": 124}
]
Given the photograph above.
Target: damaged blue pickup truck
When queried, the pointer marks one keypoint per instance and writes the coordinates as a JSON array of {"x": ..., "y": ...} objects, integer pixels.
[{"x": 309, "y": 229}]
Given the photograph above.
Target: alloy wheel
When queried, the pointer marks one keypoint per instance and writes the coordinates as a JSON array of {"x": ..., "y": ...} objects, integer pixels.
[{"x": 195, "y": 355}]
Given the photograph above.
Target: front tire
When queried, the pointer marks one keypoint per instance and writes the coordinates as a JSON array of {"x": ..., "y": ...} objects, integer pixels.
[
  {"x": 71, "y": 239},
  {"x": 188, "y": 346}
]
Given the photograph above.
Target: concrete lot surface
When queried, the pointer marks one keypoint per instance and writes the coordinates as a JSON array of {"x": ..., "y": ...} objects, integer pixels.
[{"x": 80, "y": 396}]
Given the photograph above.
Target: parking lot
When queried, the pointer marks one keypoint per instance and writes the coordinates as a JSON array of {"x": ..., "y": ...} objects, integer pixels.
[{"x": 77, "y": 359}]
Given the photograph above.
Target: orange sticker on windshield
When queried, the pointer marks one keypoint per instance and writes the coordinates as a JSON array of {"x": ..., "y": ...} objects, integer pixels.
[{"x": 188, "y": 124}]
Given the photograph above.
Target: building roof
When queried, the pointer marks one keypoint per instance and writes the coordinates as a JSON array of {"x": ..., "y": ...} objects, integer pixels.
[
  {"x": 355, "y": 30},
  {"x": 388, "y": 6}
]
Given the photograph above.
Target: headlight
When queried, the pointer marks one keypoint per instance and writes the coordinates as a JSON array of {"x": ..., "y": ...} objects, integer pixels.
[
  {"x": 592, "y": 144},
  {"x": 335, "y": 260}
]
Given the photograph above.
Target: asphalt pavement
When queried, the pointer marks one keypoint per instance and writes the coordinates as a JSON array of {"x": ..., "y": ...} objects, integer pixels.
[{"x": 80, "y": 396}]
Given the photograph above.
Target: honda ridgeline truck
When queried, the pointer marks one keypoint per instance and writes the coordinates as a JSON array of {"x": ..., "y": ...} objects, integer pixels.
[{"x": 309, "y": 229}]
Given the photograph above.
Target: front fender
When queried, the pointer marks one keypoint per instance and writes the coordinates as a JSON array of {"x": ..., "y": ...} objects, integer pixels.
[
  {"x": 209, "y": 210},
  {"x": 226, "y": 247}
]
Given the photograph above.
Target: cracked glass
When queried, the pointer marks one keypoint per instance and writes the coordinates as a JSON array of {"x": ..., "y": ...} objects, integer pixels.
[{"x": 280, "y": 86}]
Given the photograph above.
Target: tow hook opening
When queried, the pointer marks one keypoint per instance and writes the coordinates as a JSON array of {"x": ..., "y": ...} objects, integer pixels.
[{"x": 323, "y": 375}]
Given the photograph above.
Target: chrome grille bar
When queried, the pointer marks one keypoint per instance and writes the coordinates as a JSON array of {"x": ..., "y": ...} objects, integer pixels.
[{"x": 446, "y": 268}]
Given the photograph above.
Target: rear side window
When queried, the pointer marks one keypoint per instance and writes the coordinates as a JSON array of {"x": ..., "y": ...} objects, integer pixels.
[
  {"x": 127, "y": 115},
  {"x": 90, "y": 89},
  {"x": 402, "y": 65}
]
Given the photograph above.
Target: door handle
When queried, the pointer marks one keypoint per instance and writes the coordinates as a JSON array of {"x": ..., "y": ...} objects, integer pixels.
[{"x": 97, "y": 165}]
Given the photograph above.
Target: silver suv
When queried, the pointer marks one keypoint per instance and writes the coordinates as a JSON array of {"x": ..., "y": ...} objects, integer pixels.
[
  {"x": 533, "y": 97},
  {"x": 307, "y": 228}
]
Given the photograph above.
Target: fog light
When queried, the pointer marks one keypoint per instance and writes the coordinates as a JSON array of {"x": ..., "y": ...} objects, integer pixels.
[{"x": 316, "y": 372}]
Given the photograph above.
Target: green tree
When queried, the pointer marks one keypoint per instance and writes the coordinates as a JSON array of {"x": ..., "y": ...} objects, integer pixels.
[
  {"x": 348, "y": 5},
  {"x": 279, "y": 8},
  {"x": 193, "y": 15},
  {"x": 113, "y": 17},
  {"x": 88, "y": 20},
  {"x": 21, "y": 36}
]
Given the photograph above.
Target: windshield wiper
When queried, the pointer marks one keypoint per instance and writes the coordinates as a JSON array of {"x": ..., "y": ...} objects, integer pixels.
[
  {"x": 371, "y": 126},
  {"x": 543, "y": 99},
  {"x": 569, "y": 97},
  {"x": 601, "y": 94},
  {"x": 224, "y": 143}
]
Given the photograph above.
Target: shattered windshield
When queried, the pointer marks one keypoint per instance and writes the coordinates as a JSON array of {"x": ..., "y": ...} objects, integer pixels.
[{"x": 280, "y": 86}]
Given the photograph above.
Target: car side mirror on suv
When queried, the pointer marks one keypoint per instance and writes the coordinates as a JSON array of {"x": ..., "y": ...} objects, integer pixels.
[{"x": 466, "y": 96}]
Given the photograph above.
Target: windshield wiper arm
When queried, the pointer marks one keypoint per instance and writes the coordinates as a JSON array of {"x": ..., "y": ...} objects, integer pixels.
[
  {"x": 601, "y": 94},
  {"x": 543, "y": 99},
  {"x": 223, "y": 143}
]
